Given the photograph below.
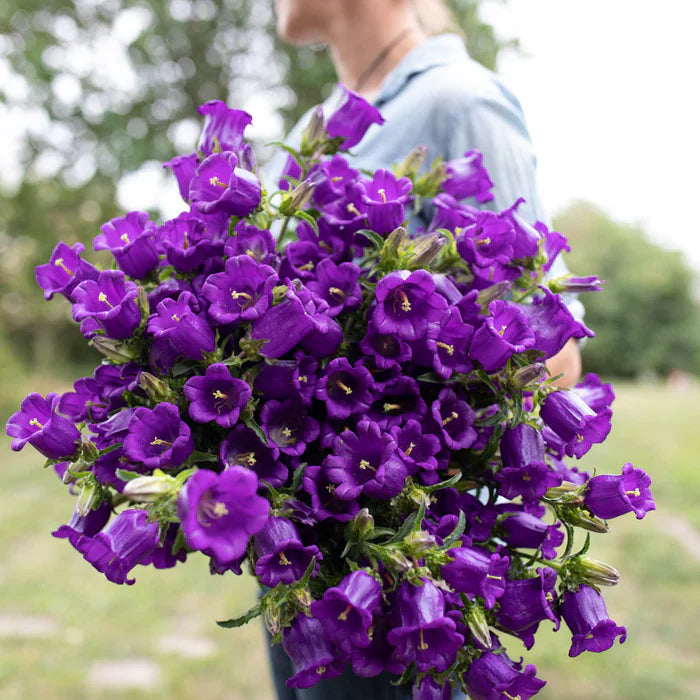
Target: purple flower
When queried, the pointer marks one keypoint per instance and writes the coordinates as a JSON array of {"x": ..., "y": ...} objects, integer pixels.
[
  {"x": 242, "y": 293},
  {"x": 429, "y": 689},
  {"x": 570, "y": 284},
  {"x": 335, "y": 175},
  {"x": 64, "y": 271},
  {"x": 38, "y": 424},
  {"x": 493, "y": 676},
  {"x": 219, "y": 186},
  {"x": 290, "y": 172},
  {"x": 597, "y": 395},
  {"x": 455, "y": 418},
  {"x": 609, "y": 496},
  {"x": 352, "y": 119},
  {"x": 324, "y": 502},
  {"x": 486, "y": 241},
  {"x": 529, "y": 531},
  {"x": 85, "y": 402},
  {"x": 287, "y": 425},
  {"x": 424, "y": 634},
  {"x": 417, "y": 449},
  {"x": 524, "y": 470},
  {"x": 386, "y": 349},
  {"x": 282, "y": 556},
  {"x": 467, "y": 177},
  {"x": 346, "y": 610},
  {"x": 450, "y": 214},
  {"x": 219, "y": 512},
  {"x": 400, "y": 400},
  {"x": 162, "y": 557},
  {"x": 365, "y": 461},
  {"x": 89, "y": 524},
  {"x": 572, "y": 420},
  {"x": 344, "y": 388},
  {"x": 282, "y": 326},
  {"x": 177, "y": 323},
  {"x": 288, "y": 379},
  {"x": 249, "y": 240},
  {"x": 504, "y": 333},
  {"x": 244, "y": 448},
  {"x": 158, "y": 438},
  {"x": 552, "y": 323},
  {"x": 216, "y": 396},
  {"x": 527, "y": 602},
  {"x": 186, "y": 243},
  {"x": 585, "y": 614},
  {"x": 447, "y": 343},
  {"x": 385, "y": 197},
  {"x": 123, "y": 544},
  {"x": 476, "y": 571},
  {"x": 337, "y": 285},
  {"x": 223, "y": 127},
  {"x": 527, "y": 238},
  {"x": 183, "y": 168},
  {"x": 107, "y": 303},
  {"x": 131, "y": 240},
  {"x": 307, "y": 648}
]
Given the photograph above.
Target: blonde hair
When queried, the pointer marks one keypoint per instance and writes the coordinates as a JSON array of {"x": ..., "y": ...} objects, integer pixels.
[{"x": 436, "y": 17}]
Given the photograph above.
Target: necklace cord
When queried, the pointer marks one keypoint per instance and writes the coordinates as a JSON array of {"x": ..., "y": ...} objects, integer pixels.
[{"x": 380, "y": 57}]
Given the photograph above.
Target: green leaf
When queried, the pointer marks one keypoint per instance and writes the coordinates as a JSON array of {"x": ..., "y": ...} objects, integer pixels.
[
  {"x": 254, "y": 612},
  {"x": 443, "y": 484},
  {"x": 285, "y": 147},
  {"x": 298, "y": 476},
  {"x": 255, "y": 427},
  {"x": 406, "y": 527},
  {"x": 456, "y": 533},
  {"x": 126, "y": 475},
  {"x": 372, "y": 236},
  {"x": 109, "y": 449},
  {"x": 203, "y": 457},
  {"x": 305, "y": 216},
  {"x": 308, "y": 573},
  {"x": 183, "y": 367}
]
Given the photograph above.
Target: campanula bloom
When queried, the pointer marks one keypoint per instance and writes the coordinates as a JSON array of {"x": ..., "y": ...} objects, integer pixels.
[
  {"x": 344, "y": 389},
  {"x": 216, "y": 396},
  {"x": 132, "y": 241},
  {"x": 352, "y": 119},
  {"x": 610, "y": 495},
  {"x": 494, "y": 676},
  {"x": 385, "y": 197},
  {"x": 244, "y": 448},
  {"x": 476, "y": 571},
  {"x": 223, "y": 127},
  {"x": 64, "y": 271},
  {"x": 467, "y": 177}
]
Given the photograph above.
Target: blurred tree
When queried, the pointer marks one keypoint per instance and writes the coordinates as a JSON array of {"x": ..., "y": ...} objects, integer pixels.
[
  {"x": 103, "y": 86},
  {"x": 646, "y": 319}
]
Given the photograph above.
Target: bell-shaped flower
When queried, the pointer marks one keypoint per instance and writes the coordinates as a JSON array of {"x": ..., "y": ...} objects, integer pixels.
[
  {"x": 158, "y": 438},
  {"x": 282, "y": 556},
  {"x": 385, "y": 197},
  {"x": 38, "y": 424},
  {"x": 494, "y": 675},
  {"x": 346, "y": 610},
  {"x": 216, "y": 396},
  {"x": 220, "y": 512},
  {"x": 309, "y": 651},
  {"x": 386, "y": 349},
  {"x": 344, "y": 389},
  {"x": 186, "y": 243},
  {"x": 64, "y": 271},
  {"x": 427, "y": 688},
  {"x": 223, "y": 127},
  {"x": 398, "y": 401},
  {"x": 448, "y": 344},
  {"x": 88, "y": 525},
  {"x": 183, "y": 168},
  {"x": 259, "y": 244},
  {"x": 288, "y": 426},
  {"x": 324, "y": 503},
  {"x": 244, "y": 448},
  {"x": 219, "y": 186},
  {"x": 467, "y": 177},
  {"x": 586, "y": 615},
  {"x": 455, "y": 419},
  {"x": 529, "y": 531},
  {"x": 85, "y": 403},
  {"x": 476, "y": 571},
  {"x": 416, "y": 446},
  {"x": 527, "y": 238},
  {"x": 352, "y": 119},
  {"x": 451, "y": 214},
  {"x": 595, "y": 393},
  {"x": 131, "y": 240},
  {"x": 335, "y": 175},
  {"x": 107, "y": 303},
  {"x": 123, "y": 544},
  {"x": 423, "y": 634},
  {"x": 337, "y": 285},
  {"x": 488, "y": 240},
  {"x": 609, "y": 495}
]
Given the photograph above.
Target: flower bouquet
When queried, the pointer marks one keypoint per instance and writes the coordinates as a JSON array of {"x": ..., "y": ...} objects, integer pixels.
[{"x": 360, "y": 414}]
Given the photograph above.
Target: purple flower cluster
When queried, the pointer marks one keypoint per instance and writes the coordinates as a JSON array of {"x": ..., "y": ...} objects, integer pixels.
[{"x": 361, "y": 414}]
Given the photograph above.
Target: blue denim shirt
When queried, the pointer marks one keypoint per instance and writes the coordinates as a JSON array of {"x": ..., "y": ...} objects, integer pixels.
[{"x": 440, "y": 98}]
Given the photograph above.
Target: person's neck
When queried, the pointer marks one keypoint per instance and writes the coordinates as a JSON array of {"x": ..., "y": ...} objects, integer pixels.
[{"x": 359, "y": 40}]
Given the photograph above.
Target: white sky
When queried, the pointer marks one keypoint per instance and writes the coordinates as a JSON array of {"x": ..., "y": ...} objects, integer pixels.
[{"x": 610, "y": 90}]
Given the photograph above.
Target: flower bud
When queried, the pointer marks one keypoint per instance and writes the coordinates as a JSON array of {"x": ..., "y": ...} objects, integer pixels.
[
  {"x": 411, "y": 165},
  {"x": 302, "y": 598},
  {"x": 427, "y": 249},
  {"x": 478, "y": 625},
  {"x": 362, "y": 524},
  {"x": 142, "y": 303},
  {"x": 531, "y": 374},
  {"x": 579, "y": 517},
  {"x": 429, "y": 185},
  {"x": 495, "y": 291},
  {"x": 396, "y": 561},
  {"x": 118, "y": 351},
  {"x": 89, "y": 496},
  {"x": 575, "y": 285},
  {"x": 298, "y": 198},
  {"x": 394, "y": 241},
  {"x": 418, "y": 542},
  {"x": 593, "y": 572},
  {"x": 314, "y": 132},
  {"x": 89, "y": 452},
  {"x": 147, "y": 489},
  {"x": 273, "y": 620},
  {"x": 156, "y": 389},
  {"x": 564, "y": 489}
]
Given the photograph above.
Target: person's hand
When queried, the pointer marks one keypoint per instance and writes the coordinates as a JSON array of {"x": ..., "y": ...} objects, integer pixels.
[{"x": 568, "y": 362}]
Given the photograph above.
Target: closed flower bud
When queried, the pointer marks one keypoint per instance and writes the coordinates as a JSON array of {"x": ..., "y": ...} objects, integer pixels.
[
  {"x": 531, "y": 374},
  {"x": 427, "y": 249},
  {"x": 394, "y": 241},
  {"x": 142, "y": 302},
  {"x": 478, "y": 625},
  {"x": 418, "y": 542},
  {"x": 495, "y": 291},
  {"x": 273, "y": 620},
  {"x": 147, "y": 489},
  {"x": 89, "y": 452},
  {"x": 313, "y": 133},
  {"x": 396, "y": 561},
  {"x": 579, "y": 517},
  {"x": 411, "y": 165},
  {"x": 89, "y": 497},
  {"x": 362, "y": 524},
  {"x": 302, "y": 598},
  {"x": 593, "y": 572},
  {"x": 298, "y": 198},
  {"x": 119, "y": 352},
  {"x": 155, "y": 388},
  {"x": 71, "y": 473},
  {"x": 566, "y": 488},
  {"x": 429, "y": 185}
]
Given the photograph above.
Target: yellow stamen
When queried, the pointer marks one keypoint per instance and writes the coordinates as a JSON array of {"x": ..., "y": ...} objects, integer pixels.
[
  {"x": 579, "y": 437},
  {"x": 391, "y": 407},
  {"x": 496, "y": 578},
  {"x": 344, "y": 387},
  {"x": 215, "y": 182},
  {"x": 35, "y": 421},
  {"x": 405, "y": 303},
  {"x": 633, "y": 493},
  {"x": 382, "y": 194},
  {"x": 246, "y": 458},
  {"x": 59, "y": 263},
  {"x": 511, "y": 697},
  {"x": 526, "y": 477},
  {"x": 321, "y": 670},
  {"x": 207, "y": 511},
  {"x": 483, "y": 241},
  {"x": 336, "y": 292},
  {"x": 218, "y": 394},
  {"x": 251, "y": 252},
  {"x": 283, "y": 560},
  {"x": 103, "y": 298},
  {"x": 549, "y": 597},
  {"x": 353, "y": 209},
  {"x": 303, "y": 379},
  {"x": 308, "y": 267},
  {"x": 410, "y": 449},
  {"x": 370, "y": 632},
  {"x": 503, "y": 330},
  {"x": 422, "y": 646},
  {"x": 185, "y": 241},
  {"x": 330, "y": 488},
  {"x": 451, "y": 417},
  {"x": 158, "y": 441},
  {"x": 286, "y": 432},
  {"x": 175, "y": 318},
  {"x": 243, "y": 295},
  {"x": 337, "y": 178},
  {"x": 220, "y": 509},
  {"x": 364, "y": 464},
  {"x": 344, "y": 615},
  {"x": 449, "y": 348},
  {"x": 125, "y": 237}
]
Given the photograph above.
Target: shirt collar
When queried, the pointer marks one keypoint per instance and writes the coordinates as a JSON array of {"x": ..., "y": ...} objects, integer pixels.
[{"x": 434, "y": 51}]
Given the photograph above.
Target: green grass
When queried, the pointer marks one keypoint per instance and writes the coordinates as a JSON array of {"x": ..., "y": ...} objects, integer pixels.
[{"x": 658, "y": 598}]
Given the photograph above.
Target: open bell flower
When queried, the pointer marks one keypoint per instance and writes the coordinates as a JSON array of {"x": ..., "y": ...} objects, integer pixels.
[
  {"x": 223, "y": 127},
  {"x": 609, "y": 495},
  {"x": 467, "y": 177},
  {"x": 38, "y": 424},
  {"x": 64, "y": 271},
  {"x": 352, "y": 119},
  {"x": 220, "y": 512},
  {"x": 494, "y": 675},
  {"x": 131, "y": 240},
  {"x": 216, "y": 396},
  {"x": 385, "y": 197}
]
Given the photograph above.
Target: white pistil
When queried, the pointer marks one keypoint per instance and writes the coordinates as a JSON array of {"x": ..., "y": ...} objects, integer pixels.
[
  {"x": 409, "y": 449},
  {"x": 283, "y": 560},
  {"x": 364, "y": 464},
  {"x": 103, "y": 298},
  {"x": 382, "y": 194},
  {"x": 450, "y": 349},
  {"x": 125, "y": 237},
  {"x": 579, "y": 437},
  {"x": 330, "y": 488},
  {"x": 321, "y": 670},
  {"x": 59, "y": 263},
  {"x": 344, "y": 387},
  {"x": 391, "y": 407},
  {"x": 422, "y": 646},
  {"x": 175, "y": 318},
  {"x": 344, "y": 615},
  {"x": 405, "y": 303},
  {"x": 35, "y": 421},
  {"x": 215, "y": 182},
  {"x": 243, "y": 295},
  {"x": 336, "y": 292},
  {"x": 502, "y": 330},
  {"x": 496, "y": 578},
  {"x": 451, "y": 417},
  {"x": 157, "y": 442},
  {"x": 353, "y": 209},
  {"x": 246, "y": 459},
  {"x": 635, "y": 493},
  {"x": 483, "y": 241}
]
